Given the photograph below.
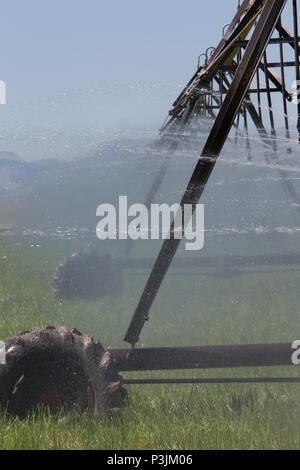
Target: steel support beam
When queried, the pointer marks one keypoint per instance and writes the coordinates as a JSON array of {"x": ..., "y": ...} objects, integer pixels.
[{"x": 203, "y": 357}]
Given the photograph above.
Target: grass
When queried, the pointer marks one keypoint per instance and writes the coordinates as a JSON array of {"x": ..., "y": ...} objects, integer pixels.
[{"x": 198, "y": 309}]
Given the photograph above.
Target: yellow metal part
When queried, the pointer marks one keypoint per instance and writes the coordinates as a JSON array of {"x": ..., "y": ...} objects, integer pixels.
[{"x": 244, "y": 35}]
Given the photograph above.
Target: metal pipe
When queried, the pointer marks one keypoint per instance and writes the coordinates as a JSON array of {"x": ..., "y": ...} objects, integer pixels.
[
  {"x": 203, "y": 357},
  {"x": 284, "y": 100},
  {"x": 221, "y": 262},
  {"x": 258, "y": 94},
  {"x": 297, "y": 51},
  {"x": 247, "y": 132},
  {"x": 271, "y": 115},
  {"x": 256, "y": 380}
]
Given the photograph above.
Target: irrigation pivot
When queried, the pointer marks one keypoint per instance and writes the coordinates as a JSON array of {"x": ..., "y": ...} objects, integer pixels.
[
  {"x": 202, "y": 98},
  {"x": 224, "y": 121}
]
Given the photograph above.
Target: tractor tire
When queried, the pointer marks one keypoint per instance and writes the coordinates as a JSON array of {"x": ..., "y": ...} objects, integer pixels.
[
  {"x": 59, "y": 369},
  {"x": 87, "y": 275}
]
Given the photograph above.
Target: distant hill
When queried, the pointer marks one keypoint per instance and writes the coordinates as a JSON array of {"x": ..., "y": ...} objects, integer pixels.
[
  {"x": 54, "y": 193},
  {"x": 16, "y": 174},
  {"x": 240, "y": 197},
  {"x": 9, "y": 156}
]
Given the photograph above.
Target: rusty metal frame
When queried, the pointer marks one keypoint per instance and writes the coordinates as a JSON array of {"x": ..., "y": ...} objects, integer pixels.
[{"x": 221, "y": 61}]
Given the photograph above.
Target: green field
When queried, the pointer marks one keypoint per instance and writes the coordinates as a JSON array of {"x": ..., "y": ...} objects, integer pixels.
[{"x": 192, "y": 309}]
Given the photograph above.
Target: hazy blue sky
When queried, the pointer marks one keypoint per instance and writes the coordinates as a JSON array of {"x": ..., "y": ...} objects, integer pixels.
[
  {"x": 75, "y": 66},
  {"x": 51, "y": 44}
]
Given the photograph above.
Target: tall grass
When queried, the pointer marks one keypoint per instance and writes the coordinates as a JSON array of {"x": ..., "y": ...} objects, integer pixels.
[{"x": 198, "y": 309}]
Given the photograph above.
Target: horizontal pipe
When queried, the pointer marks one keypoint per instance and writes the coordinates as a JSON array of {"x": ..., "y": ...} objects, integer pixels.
[
  {"x": 291, "y": 40},
  {"x": 203, "y": 357},
  {"x": 264, "y": 90},
  {"x": 233, "y": 67},
  {"x": 269, "y": 259},
  {"x": 255, "y": 380},
  {"x": 278, "y": 64}
]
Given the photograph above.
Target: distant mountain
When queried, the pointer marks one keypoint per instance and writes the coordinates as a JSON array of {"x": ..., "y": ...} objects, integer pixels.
[
  {"x": 9, "y": 156},
  {"x": 48, "y": 193},
  {"x": 16, "y": 174},
  {"x": 241, "y": 197}
]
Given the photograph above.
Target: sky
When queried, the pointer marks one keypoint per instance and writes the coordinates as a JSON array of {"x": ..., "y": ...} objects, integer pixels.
[
  {"x": 79, "y": 72},
  {"x": 57, "y": 44}
]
